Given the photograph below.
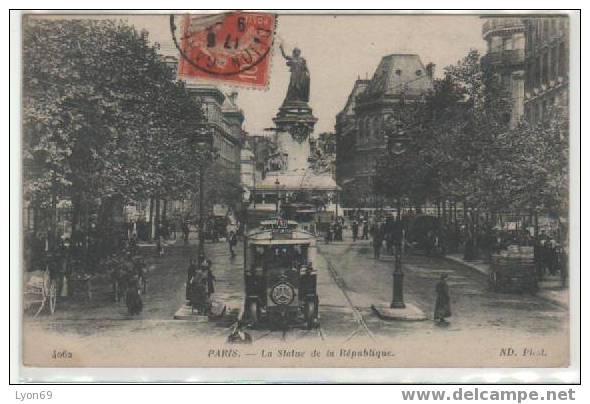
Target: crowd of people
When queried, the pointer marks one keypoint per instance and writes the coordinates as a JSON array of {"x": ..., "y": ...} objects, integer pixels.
[
  {"x": 128, "y": 273},
  {"x": 200, "y": 284},
  {"x": 430, "y": 235}
]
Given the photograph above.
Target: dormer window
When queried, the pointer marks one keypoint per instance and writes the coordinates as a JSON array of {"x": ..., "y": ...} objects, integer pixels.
[{"x": 418, "y": 72}]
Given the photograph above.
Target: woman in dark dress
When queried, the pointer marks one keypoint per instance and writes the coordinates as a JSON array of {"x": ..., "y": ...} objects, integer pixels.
[
  {"x": 442, "y": 308},
  {"x": 191, "y": 271},
  {"x": 133, "y": 296}
]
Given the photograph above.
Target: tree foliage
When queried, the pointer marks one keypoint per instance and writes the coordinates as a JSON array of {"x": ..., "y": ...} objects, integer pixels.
[
  {"x": 103, "y": 116},
  {"x": 460, "y": 146}
]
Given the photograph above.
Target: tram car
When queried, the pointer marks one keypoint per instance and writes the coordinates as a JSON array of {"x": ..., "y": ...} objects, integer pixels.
[{"x": 280, "y": 279}]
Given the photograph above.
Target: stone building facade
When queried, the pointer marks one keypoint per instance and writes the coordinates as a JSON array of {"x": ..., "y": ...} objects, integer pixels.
[
  {"x": 399, "y": 80},
  {"x": 346, "y": 135},
  {"x": 531, "y": 56},
  {"x": 224, "y": 122}
]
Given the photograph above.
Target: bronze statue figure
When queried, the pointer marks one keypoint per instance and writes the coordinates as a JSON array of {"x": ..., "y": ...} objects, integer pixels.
[{"x": 299, "y": 83}]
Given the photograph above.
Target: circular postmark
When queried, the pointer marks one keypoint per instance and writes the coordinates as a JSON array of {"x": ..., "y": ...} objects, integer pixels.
[{"x": 225, "y": 44}]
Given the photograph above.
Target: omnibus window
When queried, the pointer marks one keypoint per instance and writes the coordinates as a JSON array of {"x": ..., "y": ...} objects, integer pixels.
[{"x": 284, "y": 256}]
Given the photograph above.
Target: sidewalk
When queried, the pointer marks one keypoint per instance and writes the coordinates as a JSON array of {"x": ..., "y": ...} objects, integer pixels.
[{"x": 550, "y": 290}]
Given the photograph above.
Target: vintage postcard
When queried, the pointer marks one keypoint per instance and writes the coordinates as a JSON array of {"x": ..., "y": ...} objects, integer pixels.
[{"x": 251, "y": 190}]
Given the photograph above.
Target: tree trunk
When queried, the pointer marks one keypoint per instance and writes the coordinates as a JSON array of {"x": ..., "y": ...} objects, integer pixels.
[
  {"x": 464, "y": 211},
  {"x": 52, "y": 236},
  {"x": 76, "y": 212},
  {"x": 151, "y": 221},
  {"x": 157, "y": 219}
]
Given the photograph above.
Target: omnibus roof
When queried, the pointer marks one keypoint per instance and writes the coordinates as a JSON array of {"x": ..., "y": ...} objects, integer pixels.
[{"x": 270, "y": 237}]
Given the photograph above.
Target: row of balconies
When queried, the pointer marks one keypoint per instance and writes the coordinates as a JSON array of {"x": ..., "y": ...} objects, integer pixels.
[
  {"x": 545, "y": 88},
  {"x": 497, "y": 25},
  {"x": 514, "y": 57}
]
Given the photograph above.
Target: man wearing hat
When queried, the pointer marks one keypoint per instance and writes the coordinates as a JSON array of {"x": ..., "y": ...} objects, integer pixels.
[{"x": 442, "y": 307}]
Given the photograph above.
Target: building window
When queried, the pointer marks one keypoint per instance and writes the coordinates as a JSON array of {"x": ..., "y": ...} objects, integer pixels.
[
  {"x": 562, "y": 61},
  {"x": 539, "y": 72},
  {"x": 554, "y": 63},
  {"x": 546, "y": 67},
  {"x": 531, "y": 73},
  {"x": 545, "y": 30},
  {"x": 496, "y": 44}
]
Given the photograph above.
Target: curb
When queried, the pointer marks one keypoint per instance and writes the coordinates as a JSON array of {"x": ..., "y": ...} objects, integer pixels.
[{"x": 540, "y": 293}]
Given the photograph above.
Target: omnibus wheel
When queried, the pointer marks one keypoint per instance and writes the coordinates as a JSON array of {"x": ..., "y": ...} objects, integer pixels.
[{"x": 253, "y": 312}]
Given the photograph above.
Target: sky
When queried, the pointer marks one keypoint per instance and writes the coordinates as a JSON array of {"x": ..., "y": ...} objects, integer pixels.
[{"x": 338, "y": 50}]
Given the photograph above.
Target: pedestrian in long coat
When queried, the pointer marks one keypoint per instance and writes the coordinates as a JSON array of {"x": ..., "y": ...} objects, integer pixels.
[
  {"x": 442, "y": 307},
  {"x": 210, "y": 278},
  {"x": 133, "y": 297},
  {"x": 355, "y": 230},
  {"x": 232, "y": 241},
  {"x": 191, "y": 271},
  {"x": 365, "y": 235},
  {"x": 377, "y": 244},
  {"x": 198, "y": 291}
]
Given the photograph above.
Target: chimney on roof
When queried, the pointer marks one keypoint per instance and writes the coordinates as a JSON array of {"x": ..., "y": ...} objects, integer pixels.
[{"x": 430, "y": 69}]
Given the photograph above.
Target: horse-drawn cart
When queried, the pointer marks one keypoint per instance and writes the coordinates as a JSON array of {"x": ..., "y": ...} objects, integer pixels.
[
  {"x": 514, "y": 269},
  {"x": 40, "y": 292}
]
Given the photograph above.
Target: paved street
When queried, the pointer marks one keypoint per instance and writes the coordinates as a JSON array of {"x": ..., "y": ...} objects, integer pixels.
[
  {"x": 349, "y": 282},
  {"x": 473, "y": 305}
]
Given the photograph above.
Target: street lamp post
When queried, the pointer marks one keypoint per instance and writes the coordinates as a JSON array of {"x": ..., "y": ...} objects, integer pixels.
[
  {"x": 396, "y": 147},
  {"x": 201, "y": 247},
  {"x": 398, "y": 309},
  {"x": 204, "y": 143},
  {"x": 397, "y": 300}
]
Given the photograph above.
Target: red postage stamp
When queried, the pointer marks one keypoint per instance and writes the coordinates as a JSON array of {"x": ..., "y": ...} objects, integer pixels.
[{"x": 232, "y": 47}]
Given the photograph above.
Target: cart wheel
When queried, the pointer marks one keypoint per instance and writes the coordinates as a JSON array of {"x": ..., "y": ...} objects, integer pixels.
[
  {"x": 254, "y": 312},
  {"x": 310, "y": 314},
  {"x": 52, "y": 297}
]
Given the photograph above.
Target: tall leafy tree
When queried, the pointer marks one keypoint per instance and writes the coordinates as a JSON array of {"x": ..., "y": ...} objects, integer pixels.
[{"x": 104, "y": 119}]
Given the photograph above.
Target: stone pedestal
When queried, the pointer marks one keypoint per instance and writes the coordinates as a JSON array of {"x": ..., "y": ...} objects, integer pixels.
[
  {"x": 295, "y": 123},
  {"x": 409, "y": 313},
  {"x": 187, "y": 314}
]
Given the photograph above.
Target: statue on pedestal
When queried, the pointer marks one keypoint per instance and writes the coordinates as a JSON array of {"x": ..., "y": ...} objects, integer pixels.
[{"x": 299, "y": 83}]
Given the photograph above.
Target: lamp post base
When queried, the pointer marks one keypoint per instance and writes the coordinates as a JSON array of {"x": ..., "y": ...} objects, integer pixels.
[
  {"x": 409, "y": 312},
  {"x": 397, "y": 301},
  {"x": 397, "y": 305}
]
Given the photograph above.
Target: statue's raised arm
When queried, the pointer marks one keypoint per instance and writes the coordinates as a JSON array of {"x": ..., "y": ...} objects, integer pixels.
[
  {"x": 299, "y": 84},
  {"x": 283, "y": 52}
]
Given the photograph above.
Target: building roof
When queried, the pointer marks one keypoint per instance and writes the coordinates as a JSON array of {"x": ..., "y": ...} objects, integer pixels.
[
  {"x": 295, "y": 181},
  {"x": 359, "y": 87},
  {"x": 400, "y": 73}
]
